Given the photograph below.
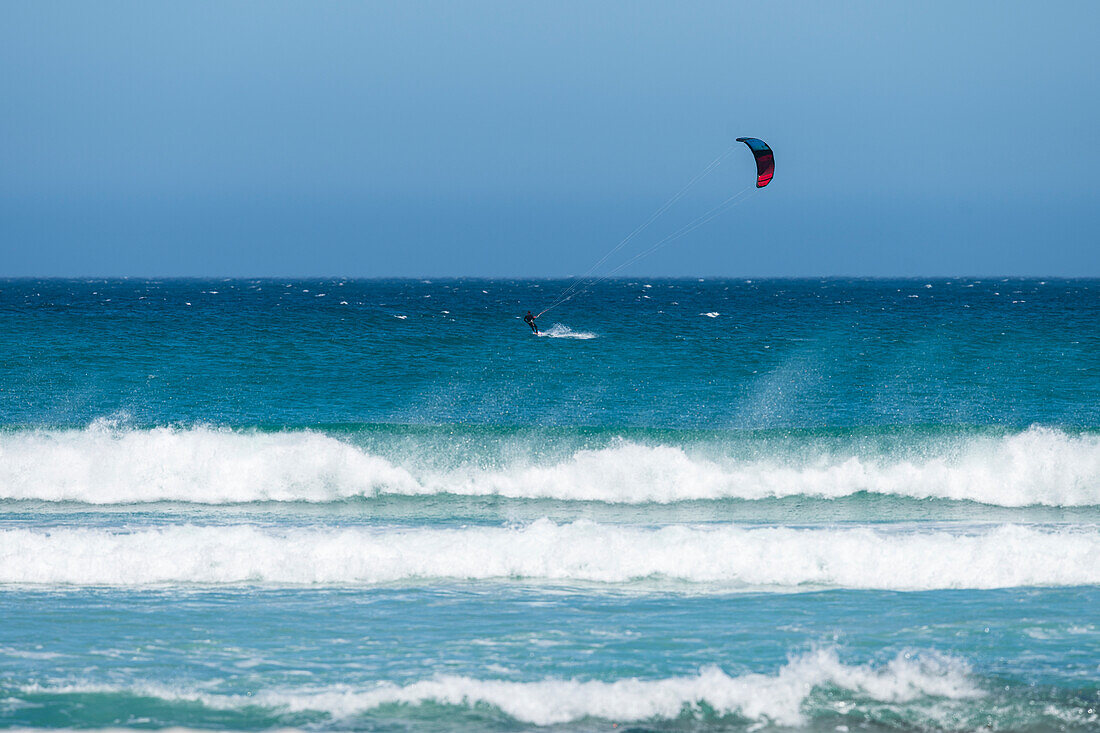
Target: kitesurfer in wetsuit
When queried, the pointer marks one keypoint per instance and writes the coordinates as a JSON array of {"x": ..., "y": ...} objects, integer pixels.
[{"x": 530, "y": 321}]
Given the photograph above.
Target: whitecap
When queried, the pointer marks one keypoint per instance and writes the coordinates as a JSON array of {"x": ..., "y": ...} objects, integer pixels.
[
  {"x": 720, "y": 557},
  {"x": 780, "y": 698},
  {"x": 110, "y": 463}
]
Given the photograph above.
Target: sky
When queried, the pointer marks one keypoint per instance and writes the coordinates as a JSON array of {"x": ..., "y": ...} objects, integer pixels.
[{"x": 526, "y": 139}]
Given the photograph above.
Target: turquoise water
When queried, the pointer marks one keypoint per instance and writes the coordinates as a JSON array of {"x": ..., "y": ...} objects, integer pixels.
[{"x": 691, "y": 505}]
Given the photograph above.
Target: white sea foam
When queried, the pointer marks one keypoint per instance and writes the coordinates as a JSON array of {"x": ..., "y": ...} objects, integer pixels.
[
  {"x": 108, "y": 465},
  {"x": 105, "y": 465},
  {"x": 1036, "y": 467},
  {"x": 779, "y": 698},
  {"x": 718, "y": 557},
  {"x": 558, "y": 331}
]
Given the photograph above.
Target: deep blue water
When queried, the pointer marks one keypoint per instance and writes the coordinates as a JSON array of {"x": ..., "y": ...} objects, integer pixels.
[{"x": 692, "y": 504}]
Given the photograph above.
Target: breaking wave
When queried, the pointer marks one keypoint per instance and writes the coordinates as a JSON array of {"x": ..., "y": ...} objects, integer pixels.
[
  {"x": 922, "y": 684},
  {"x": 107, "y": 465},
  {"x": 722, "y": 557}
]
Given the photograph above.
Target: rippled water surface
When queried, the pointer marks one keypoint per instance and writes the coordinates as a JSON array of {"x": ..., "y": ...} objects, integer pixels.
[{"x": 692, "y": 505}]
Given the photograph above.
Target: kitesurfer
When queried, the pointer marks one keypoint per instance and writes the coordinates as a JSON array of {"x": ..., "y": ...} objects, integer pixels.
[{"x": 530, "y": 321}]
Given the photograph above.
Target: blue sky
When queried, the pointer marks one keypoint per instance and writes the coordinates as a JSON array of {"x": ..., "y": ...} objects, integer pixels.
[{"x": 525, "y": 139}]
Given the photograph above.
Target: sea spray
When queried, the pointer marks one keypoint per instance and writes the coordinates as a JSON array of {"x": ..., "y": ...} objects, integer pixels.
[
  {"x": 383, "y": 505},
  {"x": 111, "y": 465}
]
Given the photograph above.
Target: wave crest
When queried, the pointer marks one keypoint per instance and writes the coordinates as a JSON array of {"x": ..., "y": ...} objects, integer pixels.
[
  {"x": 782, "y": 698},
  {"x": 107, "y": 465}
]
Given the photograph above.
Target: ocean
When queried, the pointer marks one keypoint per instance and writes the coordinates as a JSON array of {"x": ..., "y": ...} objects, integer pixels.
[{"x": 689, "y": 505}]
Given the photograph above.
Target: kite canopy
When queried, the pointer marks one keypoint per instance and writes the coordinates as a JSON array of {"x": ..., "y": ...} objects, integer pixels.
[{"x": 765, "y": 161}]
